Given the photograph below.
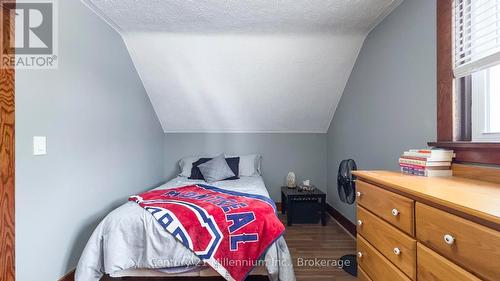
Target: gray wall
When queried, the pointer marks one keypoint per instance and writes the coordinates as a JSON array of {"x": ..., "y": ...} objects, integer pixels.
[
  {"x": 104, "y": 143},
  {"x": 302, "y": 153},
  {"x": 104, "y": 140},
  {"x": 389, "y": 102}
]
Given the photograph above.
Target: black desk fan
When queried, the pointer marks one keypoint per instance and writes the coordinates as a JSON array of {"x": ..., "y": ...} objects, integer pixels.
[{"x": 346, "y": 187}]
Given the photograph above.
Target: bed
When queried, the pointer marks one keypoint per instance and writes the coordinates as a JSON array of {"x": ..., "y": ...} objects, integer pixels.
[{"x": 130, "y": 242}]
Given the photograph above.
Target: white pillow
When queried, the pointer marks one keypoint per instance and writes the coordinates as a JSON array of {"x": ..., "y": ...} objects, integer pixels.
[
  {"x": 186, "y": 164},
  {"x": 249, "y": 164}
]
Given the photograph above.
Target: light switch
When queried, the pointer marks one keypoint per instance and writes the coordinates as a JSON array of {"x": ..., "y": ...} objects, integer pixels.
[{"x": 39, "y": 145}]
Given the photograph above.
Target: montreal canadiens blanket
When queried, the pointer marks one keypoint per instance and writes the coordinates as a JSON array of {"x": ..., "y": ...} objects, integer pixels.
[{"x": 228, "y": 230}]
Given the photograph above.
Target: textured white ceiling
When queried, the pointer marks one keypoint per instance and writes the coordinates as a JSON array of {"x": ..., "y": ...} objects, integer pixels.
[{"x": 244, "y": 66}]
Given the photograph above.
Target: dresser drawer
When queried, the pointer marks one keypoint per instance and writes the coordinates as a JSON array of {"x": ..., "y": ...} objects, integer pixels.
[
  {"x": 394, "y": 208},
  {"x": 473, "y": 246},
  {"x": 362, "y": 276},
  {"x": 375, "y": 265},
  {"x": 395, "y": 245},
  {"x": 433, "y": 267}
]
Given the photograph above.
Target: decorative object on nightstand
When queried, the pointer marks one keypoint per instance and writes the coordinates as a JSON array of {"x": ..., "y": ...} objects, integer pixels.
[
  {"x": 306, "y": 186},
  {"x": 303, "y": 206},
  {"x": 291, "y": 180}
]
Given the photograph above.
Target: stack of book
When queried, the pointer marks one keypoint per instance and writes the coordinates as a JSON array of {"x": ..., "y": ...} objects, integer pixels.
[{"x": 427, "y": 162}]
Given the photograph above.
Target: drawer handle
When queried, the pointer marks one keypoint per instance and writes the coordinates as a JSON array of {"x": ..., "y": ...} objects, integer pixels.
[
  {"x": 360, "y": 222},
  {"x": 360, "y": 255},
  {"x": 358, "y": 194},
  {"x": 448, "y": 239},
  {"x": 397, "y": 251},
  {"x": 395, "y": 212}
]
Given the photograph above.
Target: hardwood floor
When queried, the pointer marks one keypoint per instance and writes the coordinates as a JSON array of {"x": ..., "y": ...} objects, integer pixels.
[
  {"x": 326, "y": 243},
  {"x": 307, "y": 243}
]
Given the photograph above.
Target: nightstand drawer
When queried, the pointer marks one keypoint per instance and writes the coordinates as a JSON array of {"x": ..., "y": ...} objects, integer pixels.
[
  {"x": 433, "y": 267},
  {"x": 396, "y": 209},
  {"x": 375, "y": 264},
  {"x": 473, "y": 246},
  {"x": 395, "y": 245}
]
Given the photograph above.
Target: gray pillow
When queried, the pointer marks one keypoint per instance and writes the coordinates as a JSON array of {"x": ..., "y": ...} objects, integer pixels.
[{"x": 216, "y": 169}]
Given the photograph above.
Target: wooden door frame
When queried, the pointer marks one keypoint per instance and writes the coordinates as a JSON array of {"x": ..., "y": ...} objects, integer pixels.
[{"x": 7, "y": 150}]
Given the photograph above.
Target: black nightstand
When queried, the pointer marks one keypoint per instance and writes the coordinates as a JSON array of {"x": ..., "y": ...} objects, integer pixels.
[{"x": 292, "y": 197}]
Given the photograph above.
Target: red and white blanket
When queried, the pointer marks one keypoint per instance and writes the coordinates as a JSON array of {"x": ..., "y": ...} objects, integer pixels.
[{"x": 228, "y": 230}]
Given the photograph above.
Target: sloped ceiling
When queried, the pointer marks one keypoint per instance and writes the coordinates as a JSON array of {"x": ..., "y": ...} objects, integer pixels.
[{"x": 244, "y": 66}]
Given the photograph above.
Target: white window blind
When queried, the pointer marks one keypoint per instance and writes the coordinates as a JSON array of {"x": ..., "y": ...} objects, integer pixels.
[{"x": 477, "y": 35}]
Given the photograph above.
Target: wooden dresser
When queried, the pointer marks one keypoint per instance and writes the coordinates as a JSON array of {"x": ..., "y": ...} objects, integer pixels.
[{"x": 418, "y": 228}]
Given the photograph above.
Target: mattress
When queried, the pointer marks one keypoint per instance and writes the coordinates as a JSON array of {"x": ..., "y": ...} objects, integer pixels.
[
  {"x": 201, "y": 272},
  {"x": 130, "y": 242}
]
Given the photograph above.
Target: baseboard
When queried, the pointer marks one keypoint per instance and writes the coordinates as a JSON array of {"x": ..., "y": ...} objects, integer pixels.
[
  {"x": 347, "y": 224},
  {"x": 70, "y": 276}
]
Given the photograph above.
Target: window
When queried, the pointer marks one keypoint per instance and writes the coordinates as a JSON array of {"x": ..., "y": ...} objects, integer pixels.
[
  {"x": 477, "y": 35},
  {"x": 468, "y": 48},
  {"x": 486, "y": 104},
  {"x": 477, "y": 57}
]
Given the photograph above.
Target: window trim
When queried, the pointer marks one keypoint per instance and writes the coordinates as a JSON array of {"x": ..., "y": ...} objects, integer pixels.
[
  {"x": 466, "y": 151},
  {"x": 7, "y": 148},
  {"x": 445, "y": 78}
]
